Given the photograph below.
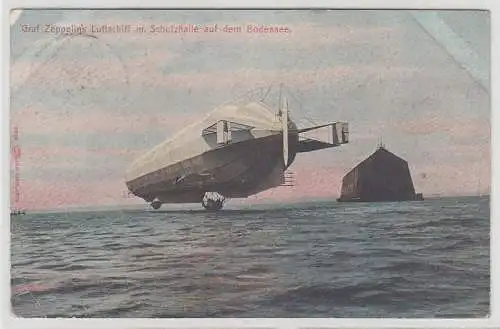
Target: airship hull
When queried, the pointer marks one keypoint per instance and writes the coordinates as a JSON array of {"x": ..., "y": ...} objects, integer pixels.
[{"x": 235, "y": 171}]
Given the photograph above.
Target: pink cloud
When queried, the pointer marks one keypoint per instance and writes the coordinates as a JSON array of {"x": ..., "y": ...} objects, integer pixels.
[
  {"x": 310, "y": 183},
  {"x": 41, "y": 154},
  {"x": 90, "y": 120},
  {"x": 453, "y": 179},
  {"x": 37, "y": 194},
  {"x": 63, "y": 75},
  {"x": 75, "y": 66},
  {"x": 457, "y": 127},
  {"x": 141, "y": 74},
  {"x": 146, "y": 71}
]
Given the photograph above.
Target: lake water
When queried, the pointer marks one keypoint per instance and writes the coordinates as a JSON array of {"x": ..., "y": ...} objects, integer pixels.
[{"x": 322, "y": 259}]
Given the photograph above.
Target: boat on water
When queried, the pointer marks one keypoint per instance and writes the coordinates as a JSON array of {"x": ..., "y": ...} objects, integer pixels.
[{"x": 17, "y": 212}]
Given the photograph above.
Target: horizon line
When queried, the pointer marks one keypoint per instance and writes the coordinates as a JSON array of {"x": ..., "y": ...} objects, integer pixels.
[{"x": 115, "y": 207}]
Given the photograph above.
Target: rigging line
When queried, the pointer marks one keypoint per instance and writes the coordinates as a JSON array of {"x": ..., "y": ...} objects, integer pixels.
[
  {"x": 247, "y": 95},
  {"x": 301, "y": 107},
  {"x": 267, "y": 92}
]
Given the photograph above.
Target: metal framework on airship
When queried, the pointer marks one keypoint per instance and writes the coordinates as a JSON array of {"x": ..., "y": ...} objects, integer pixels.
[
  {"x": 237, "y": 150},
  {"x": 223, "y": 130}
]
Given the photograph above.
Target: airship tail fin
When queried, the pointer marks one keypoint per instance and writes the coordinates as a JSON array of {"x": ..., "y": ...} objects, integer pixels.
[{"x": 323, "y": 136}]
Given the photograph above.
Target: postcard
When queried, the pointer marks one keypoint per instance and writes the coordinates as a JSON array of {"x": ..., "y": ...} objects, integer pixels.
[{"x": 250, "y": 163}]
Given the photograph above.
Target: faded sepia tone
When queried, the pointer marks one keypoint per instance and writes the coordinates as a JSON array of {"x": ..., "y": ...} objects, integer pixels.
[{"x": 289, "y": 116}]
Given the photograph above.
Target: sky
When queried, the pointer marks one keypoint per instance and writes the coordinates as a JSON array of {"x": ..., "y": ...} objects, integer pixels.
[{"x": 86, "y": 107}]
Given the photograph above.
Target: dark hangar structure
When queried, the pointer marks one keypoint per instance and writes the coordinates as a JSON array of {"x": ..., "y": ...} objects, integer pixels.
[{"x": 383, "y": 176}]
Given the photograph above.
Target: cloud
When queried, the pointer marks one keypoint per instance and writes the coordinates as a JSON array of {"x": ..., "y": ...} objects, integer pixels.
[
  {"x": 309, "y": 183},
  {"x": 85, "y": 76},
  {"x": 39, "y": 194},
  {"x": 39, "y": 120},
  {"x": 453, "y": 179},
  {"x": 40, "y": 153},
  {"x": 118, "y": 59},
  {"x": 57, "y": 163},
  {"x": 454, "y": 127},
  {"x": 138, "y": 74}
]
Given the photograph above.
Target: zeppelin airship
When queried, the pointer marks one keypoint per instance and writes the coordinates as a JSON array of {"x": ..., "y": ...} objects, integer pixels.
[{"x": 237, "y": 150}]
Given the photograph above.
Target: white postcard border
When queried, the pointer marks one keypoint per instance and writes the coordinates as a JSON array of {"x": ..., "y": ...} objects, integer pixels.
[{"x": 493, "y": 321}]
